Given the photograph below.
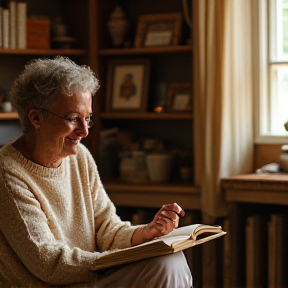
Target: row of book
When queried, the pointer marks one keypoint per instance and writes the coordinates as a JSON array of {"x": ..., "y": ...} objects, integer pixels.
[
  {"x": 17, "y": 31},
  {"x": 13, "y": 25},
  {"x": 267, "y": 251}
]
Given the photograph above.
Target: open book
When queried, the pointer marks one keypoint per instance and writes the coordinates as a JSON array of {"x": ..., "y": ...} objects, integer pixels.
[{"x": 179, "y": 239}]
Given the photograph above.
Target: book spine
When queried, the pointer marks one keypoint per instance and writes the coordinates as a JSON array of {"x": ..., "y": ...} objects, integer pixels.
[
  {"x": 250, "y": 257},
  {"x": 12, "y": 26},
  {"x": 282, "y": 252},
  {"x": 38, "y": 33},
  {"x": 272, "y": 251},
  {"x": 21, "y": 25},
  {"x": 226, "y": 256},
  {"x": 256, "y": 251},
  {"x": 5, "y": 28},
  {"x": 1, "y": 27}
]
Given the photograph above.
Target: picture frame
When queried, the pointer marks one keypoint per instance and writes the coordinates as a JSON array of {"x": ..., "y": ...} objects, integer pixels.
[
  {"x": 127, "y": 85},
  {"x": 158, "y": 30},
  {"x": 179, "y": 98}
]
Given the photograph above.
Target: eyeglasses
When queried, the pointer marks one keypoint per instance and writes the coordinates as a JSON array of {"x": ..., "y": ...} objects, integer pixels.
[{"x": 74, "y": 120}]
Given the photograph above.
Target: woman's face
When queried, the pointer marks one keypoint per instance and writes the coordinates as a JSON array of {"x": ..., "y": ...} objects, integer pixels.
[{"x": 65, "y": 125}]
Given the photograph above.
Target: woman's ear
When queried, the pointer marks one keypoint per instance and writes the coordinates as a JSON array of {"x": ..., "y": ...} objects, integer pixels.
[{"x": 35, "y": 118}]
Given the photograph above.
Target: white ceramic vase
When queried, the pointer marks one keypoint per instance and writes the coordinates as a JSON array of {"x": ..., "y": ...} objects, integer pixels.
[{"x": 159, "y": 167}]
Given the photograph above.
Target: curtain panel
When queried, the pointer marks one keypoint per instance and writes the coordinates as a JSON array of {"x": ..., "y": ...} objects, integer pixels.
[{"x": 223, "y": 98}]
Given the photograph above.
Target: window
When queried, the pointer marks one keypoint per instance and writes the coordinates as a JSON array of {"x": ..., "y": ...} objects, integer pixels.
[{"x": 273, "y": 71}]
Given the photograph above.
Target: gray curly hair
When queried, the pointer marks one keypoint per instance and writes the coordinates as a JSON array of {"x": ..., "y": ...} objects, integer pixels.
[{"x": 43, "y": 80}]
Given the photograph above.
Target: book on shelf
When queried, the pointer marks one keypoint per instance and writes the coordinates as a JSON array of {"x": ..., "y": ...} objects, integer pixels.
[
  {"x": 12, "y": 24},
  {"x": 1, "y": 26},
  {"x": 5, "y": 28},
  {"x": 256, "y": 251},
  {"x": 209, "y": 264},
  {"x": 179, "y": 239},
  {"x": 226, "y": 256},
  {"x": 21, "y": 25},
  {"x": 277, "y": 251},
  {"x": 38, "y": 32}
]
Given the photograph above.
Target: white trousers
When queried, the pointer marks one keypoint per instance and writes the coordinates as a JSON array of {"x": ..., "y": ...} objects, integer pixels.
[{"x": 171, "y": 271}]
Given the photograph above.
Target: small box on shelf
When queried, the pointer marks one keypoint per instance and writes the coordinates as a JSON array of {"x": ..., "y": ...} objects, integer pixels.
[{"x": 38, "y": 33}]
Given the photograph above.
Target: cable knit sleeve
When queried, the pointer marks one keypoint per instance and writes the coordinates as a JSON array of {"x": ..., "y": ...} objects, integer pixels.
[{"x": 111, "y": 232}]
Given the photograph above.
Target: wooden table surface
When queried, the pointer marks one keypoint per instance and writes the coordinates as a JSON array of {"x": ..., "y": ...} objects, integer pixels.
[{"x": 257, "y": 188}]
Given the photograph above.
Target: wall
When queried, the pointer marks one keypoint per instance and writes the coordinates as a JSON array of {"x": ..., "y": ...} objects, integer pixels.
[
  {"x": 265, "y": 154},
  {"x": 9, "y": 131}
]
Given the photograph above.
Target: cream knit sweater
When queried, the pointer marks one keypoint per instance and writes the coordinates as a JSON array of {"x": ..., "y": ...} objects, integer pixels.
[{"x": 54, "y": 222}]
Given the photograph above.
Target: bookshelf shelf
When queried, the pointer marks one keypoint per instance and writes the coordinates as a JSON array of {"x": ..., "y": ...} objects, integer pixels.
[
  {"x": 147, "y": 194},
  {"x": 42, "y": 51},
  {"x": 146, "y": 50},
  {"x": 8, "y": 116},
  {"x": 147, "y": 116}
]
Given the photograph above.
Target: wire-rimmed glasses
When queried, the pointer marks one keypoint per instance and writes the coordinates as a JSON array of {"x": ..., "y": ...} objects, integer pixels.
[{"x": 74, "y": 120}]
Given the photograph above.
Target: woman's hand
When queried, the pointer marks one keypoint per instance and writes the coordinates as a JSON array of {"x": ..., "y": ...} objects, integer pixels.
[{"x": 165, "y": 221}]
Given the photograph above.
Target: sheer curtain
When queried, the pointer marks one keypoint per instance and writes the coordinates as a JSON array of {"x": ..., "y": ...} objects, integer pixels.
[{"x": 223, "y": 125}]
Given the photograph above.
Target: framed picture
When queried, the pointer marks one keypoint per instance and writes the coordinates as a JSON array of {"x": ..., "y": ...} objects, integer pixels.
[
  {"x": 128, "y": 82},
  {"x": 180, "y": 97},
  {"x": 158, "y": 30}
]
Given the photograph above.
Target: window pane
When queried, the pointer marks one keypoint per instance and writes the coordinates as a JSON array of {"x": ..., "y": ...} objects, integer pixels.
[
  {"x": 278, "y": 30},
  {"x": 285, "y": 32},
  {"x": 279, "y": 99}
]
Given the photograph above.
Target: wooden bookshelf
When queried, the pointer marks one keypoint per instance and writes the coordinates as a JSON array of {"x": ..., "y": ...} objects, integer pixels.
[{"x": 147, "y": 194}]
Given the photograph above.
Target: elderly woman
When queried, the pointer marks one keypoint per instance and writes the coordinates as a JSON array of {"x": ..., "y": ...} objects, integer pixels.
[{"x": 55, "y": 216}]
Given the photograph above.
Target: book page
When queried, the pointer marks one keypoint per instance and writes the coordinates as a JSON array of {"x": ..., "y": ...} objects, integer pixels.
[
  {"x": 178, "y": 234},
  {"x": 187, "y": 232},
  {"x": 181, "y": 231}
]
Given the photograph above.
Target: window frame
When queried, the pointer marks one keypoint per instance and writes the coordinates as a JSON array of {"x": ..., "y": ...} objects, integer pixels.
[{"x": 262, "y": 49}]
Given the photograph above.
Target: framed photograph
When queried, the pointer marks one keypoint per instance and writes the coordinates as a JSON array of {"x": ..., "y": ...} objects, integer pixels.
[
  {"x": 128, "y": 82},
  {"x": 158, "y": 30},
  {"x": 180, "y": 97}
]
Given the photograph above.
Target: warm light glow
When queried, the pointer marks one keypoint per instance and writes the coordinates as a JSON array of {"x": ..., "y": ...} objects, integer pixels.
[{"x": 158, "y": 109}]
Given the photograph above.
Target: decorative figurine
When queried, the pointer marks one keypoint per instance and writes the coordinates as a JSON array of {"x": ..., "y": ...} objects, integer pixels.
[{"x": 117, "y": 26}]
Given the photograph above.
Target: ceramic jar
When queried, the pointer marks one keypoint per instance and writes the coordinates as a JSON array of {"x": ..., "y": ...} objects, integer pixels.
[
  {"x": 117, "y": 26},
  {"x": 159, "y": 167}
]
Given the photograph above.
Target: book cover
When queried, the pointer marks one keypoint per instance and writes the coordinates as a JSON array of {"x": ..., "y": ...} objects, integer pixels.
[
  {"x": 12, "y": 24},
  {"x": 178, "y": 240},
  {"x": 21, "y": 25}
]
